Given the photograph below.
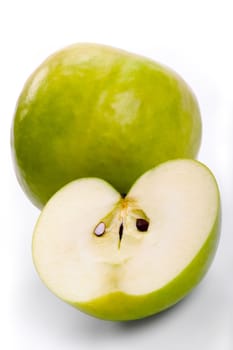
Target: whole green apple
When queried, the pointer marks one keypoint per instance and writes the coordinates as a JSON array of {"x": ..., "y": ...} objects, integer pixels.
[
  {"x": 127, "y": 258},
  {"x": 93, "y": 110}
]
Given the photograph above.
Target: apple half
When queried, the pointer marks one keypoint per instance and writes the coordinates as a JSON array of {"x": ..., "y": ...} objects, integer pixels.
[{"x": 127, "y": 257}]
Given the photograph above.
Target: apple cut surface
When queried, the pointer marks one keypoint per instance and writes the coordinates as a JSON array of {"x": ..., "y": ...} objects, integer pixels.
[{"x": 126, "y": 258}]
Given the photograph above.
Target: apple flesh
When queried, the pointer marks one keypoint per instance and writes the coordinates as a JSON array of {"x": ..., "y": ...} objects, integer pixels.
[
  {"x": 95, "y": 111},
  {"x": 127, "y": 258}
]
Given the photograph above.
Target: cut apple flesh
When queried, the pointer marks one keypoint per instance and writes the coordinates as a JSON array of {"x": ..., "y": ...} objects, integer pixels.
[{"x": 90, "y": 242}]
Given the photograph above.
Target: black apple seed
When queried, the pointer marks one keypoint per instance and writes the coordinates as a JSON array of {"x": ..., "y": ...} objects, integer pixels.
[
  {"x": 121, "y": 231},
  {"x": 142, "y": 225}
]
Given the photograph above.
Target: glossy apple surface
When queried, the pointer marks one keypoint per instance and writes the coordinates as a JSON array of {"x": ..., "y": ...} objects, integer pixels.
[
  {"x": 92, "y": 110},
  {"x": 127, "y": 258}
]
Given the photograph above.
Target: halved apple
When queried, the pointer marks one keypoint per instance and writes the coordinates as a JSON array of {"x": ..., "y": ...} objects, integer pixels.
[{"x": 123, "y": 258}]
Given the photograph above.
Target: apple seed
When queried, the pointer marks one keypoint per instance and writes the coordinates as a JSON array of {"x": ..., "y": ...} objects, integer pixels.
[
  {"x": 99, "y": 229},
  {"x": 142, "y": 225},
  {"x": 121, "y": 231}
]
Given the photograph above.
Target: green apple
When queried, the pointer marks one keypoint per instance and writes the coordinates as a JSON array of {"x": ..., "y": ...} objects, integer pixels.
[
  {"x": 127, "y": 258},
  {"x": 95, "y": 111}
]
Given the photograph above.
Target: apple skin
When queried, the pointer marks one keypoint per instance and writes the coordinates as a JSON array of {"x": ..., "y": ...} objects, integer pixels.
[
  {"x": 95, "y": 111},
  {"x": 124, "y": 307}
]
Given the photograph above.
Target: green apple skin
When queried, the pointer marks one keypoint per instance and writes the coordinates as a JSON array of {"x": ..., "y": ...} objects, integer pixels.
[
  {"x": 124, "y": 307},
  {"x": 96, "y": 111}
]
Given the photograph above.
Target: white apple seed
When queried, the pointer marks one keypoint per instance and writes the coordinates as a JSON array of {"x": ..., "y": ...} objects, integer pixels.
[{"x": 100, "y": 229}]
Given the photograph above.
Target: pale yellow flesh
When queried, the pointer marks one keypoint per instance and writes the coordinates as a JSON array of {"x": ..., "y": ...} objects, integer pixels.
[{"x": 179, "y": 197}]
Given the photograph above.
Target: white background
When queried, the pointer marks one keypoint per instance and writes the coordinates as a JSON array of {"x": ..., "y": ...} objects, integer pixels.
[{"x": 193, "y": 37}]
